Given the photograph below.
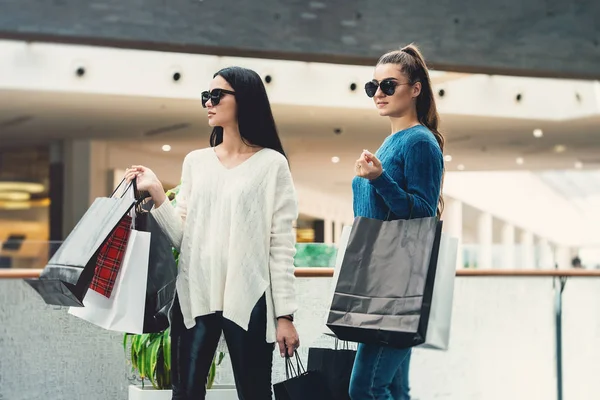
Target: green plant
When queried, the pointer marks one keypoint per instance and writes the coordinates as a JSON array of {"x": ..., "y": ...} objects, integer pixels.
[
  {"x": 315, "y": 255},
  {"x": 151, "y": 357},
  {"x": 150, "y": 353}
]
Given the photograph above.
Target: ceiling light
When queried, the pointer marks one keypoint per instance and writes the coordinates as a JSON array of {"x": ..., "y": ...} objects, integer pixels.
[
  {"x": 461, "y": 167},
  {"x": 15, "y": 196},
  {"x": 335, "y": 160},
  {"x": 166, "y": 147},
  {"x": 15, "y": 205},
  {"x": 520, "y": 160},
  {"x": 447, "y": 158},
  {"x": 578, "y": 164},
  {"x": 559, "y": 148},
  {"x": 538, "y": 133},
  {"x": 20, "y": 186}
]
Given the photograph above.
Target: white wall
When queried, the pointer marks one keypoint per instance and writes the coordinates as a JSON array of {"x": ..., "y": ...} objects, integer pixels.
[{"x": 522, "y": 199}]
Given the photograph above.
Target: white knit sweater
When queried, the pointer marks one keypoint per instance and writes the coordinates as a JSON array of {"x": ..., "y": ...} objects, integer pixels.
[{"x": 234, "y": 228}]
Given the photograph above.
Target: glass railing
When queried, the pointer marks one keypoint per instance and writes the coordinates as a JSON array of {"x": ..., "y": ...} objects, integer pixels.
[
  {"x": 27, "y": 253},
  {"x": 35, "y": 254}
]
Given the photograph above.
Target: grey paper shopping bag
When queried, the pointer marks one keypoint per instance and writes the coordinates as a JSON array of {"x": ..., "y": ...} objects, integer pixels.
[
  {"x": 383, "y": 293},
  {"x": 67, "y": 276}
]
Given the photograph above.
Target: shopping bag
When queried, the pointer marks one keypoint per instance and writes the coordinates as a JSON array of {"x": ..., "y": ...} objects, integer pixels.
[
  {"x": 110, "y": 258},
  {"x": 300, "y": 384},
  {"x": 440, "y": 315},
  {"x": 341, "y": 250},
  {"x": 335, "y": 367},
  {"x": 124, "y": 310},
  {"x": 162, "y": 273},
  {"x": 383, "y": 294},
  {"x": 67, "y": 276}
]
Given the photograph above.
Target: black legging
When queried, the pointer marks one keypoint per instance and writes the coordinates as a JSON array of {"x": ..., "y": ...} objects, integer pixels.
[{"x": 192, "y": 352}]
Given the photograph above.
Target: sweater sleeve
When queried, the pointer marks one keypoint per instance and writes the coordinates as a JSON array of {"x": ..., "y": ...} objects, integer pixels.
[
  {"x": 172, "y": 218},
  {"x": 423, "y": 168},
  {"x": 282, "y": 247}
]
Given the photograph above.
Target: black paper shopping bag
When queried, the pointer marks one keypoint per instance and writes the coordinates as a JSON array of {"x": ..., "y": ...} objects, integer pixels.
[
  {"x": 162, "y": 272},
  {"x": 300, "y": 384},
  {"x": 335, "y": 367},
  {"x": 385, "y": 285}
]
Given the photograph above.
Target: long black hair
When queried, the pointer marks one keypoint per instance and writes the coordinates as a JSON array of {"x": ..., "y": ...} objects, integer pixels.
[{"x": 254, "y": 115}]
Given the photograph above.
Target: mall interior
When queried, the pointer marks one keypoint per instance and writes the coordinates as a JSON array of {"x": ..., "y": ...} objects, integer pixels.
[{"x": 81, "y": 104}]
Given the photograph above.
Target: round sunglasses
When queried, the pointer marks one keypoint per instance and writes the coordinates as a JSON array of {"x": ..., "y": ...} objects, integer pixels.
[
  {"x": 214, "y": 96},
  {"x": 388, "y": 87}
]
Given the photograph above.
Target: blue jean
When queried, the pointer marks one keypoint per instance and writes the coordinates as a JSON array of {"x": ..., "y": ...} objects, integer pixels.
[{"x": 380, "y": 373}]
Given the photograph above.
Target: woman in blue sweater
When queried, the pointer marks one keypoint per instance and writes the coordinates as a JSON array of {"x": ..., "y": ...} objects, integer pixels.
[{"x": 407, "y": 168}]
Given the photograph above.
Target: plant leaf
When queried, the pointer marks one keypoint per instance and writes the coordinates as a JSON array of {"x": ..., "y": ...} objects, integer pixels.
[
  {"x": 221, "y": 357},
  {"x": 125, "y": 340},
  {"x": 211, "y": 375},
  {"x": 153, "y": 350},
  {"x": 167, "y": 350}
]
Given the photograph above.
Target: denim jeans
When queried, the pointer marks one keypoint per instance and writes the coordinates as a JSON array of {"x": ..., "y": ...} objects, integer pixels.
[
  {"x": 380, "y": 373},
  {"x": 192, "y": 352}
]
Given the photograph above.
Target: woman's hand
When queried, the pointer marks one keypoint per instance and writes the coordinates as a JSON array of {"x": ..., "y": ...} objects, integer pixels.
[
  {"x": 287, "y": 337},
  {"x": 368, "y": 166},
  {"x": 146, "y": 180}
]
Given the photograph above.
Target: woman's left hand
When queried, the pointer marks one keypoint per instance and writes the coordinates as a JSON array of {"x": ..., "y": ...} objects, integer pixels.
[
  {"x": 368, "y": 166},
  {"x": 287, "y": 337}
]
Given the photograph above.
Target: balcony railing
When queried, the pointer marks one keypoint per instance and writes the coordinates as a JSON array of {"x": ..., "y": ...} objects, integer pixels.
[{"x": 518, "y": 334}]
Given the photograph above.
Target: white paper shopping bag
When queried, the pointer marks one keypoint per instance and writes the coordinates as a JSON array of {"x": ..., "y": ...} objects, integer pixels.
[
  {"x": 124, "y": 310},
  {"x": 440, "y": 316},
  {"x": 342, "y": 244}
]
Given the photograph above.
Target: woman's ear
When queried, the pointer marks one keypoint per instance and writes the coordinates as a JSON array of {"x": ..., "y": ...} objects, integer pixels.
[{"x": 416, "y": 89}]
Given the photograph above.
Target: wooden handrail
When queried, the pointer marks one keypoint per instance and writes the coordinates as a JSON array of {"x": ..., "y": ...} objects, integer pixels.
[
  {"x": 21, "y": 273},
  {"x": 328, "y": 272}
]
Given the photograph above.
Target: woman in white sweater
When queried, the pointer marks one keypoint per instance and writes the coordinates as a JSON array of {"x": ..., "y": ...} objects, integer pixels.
[{"x": 233, "y": 224}]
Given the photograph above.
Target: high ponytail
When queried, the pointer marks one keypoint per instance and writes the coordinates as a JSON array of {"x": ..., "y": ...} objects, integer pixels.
[{"x": 412, "y": 64}]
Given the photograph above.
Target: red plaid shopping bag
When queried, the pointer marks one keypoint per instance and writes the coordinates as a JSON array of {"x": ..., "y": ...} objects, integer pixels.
[{"x": 110, "y": 258}]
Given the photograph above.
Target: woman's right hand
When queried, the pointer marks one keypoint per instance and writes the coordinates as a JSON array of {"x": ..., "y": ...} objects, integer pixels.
[{"x": 146, "y": 179}]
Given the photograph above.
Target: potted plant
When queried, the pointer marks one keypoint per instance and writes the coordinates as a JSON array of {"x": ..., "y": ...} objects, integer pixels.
[{"x": 150, "y": 359}]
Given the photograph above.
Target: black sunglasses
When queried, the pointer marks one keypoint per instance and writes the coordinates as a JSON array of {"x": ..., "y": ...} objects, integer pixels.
[
  {"x": 388, "y": 87},
  {"x": 214, "y": 96}
]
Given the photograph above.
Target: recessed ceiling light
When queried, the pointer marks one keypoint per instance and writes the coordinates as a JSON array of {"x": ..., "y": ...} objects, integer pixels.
[
  {"x": 335, "y": 160},
  {"x": 15, "y": 205},
  {"x": 15, "y": 196},
  {"x": 21, "y": 186},
  {"x": 538, "y": 133},
  {"x": 520, "y": 160},
  {"x": 560, "y": 148},
  {"x": 447, "y": 158},
  {"x": 166, "y": 147},
  {"x": 578, "y": 164},
  {"x": 460, "y": 167}
]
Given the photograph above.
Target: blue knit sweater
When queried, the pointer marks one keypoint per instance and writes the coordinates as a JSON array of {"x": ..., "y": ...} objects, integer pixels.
[{"x": 412, "y": 164}]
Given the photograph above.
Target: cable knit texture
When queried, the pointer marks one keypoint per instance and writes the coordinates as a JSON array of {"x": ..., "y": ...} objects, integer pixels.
[
  {"x": 234, "y": 228},
  {"x": 412, "y": 165}
]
